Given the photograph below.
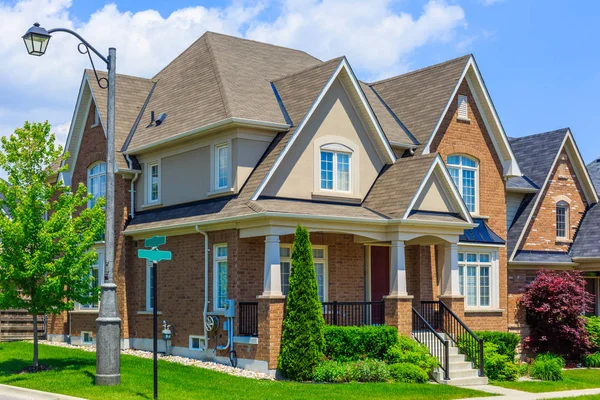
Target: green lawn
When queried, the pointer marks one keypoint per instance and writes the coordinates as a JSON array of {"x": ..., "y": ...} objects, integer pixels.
[
  {"x": 573, "y": 380},
  {"x": 72, "y": 373}
]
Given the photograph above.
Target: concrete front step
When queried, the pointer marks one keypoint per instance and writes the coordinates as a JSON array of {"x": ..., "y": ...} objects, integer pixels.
[
  {"x": 479, "y": 380},
  {"x": 456, "y": 373}
]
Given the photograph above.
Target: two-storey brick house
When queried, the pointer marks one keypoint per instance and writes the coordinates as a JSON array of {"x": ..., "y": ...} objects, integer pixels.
[{"x": 402, "y": 184}]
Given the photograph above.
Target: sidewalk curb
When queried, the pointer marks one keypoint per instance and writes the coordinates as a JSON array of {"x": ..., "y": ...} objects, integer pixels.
[{"x": 33, "y": 394}]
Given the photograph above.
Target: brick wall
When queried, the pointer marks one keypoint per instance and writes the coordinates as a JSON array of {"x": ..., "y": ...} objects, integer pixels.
[
  {"x": 471, "y": 138},
  {"x": 563, "y": 186}
]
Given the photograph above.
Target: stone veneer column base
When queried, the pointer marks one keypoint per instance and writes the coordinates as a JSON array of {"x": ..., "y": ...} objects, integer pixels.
[
  {"x": 456, "y": 304},
  {"x": 270, "y": 325},
  {"x": 398, "y": 313}
]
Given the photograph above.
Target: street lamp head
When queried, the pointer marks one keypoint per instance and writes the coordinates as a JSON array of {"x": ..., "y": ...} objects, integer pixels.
[{"x": 36, "y": 40}]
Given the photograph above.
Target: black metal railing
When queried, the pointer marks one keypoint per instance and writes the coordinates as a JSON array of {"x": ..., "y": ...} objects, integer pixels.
[
  {"x": 248, "y": 318},
  {"x": 444, "y": 320},
  {"x": 424, "y": 333},
  {"x": 354, "y": 313}
]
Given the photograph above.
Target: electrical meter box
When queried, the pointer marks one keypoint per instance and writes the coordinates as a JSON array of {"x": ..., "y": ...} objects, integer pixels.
[{"x": 229, "y": 308}]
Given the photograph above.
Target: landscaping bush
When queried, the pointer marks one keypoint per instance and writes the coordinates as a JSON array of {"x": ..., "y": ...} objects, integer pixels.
[
  {"x": 554, "y": 302},
  {"x": 361, "y": 371},
  {"x": 507, "y": 342},
  {"x": 592, "y": 360},
  {"x": 592, "y": 328},
  {"x": 411, "y": 352},
  {"x": 302, "y": 340},
  {"x": 351, "y": 343},
  {"x": 547, "y": 367},
  {"x": 408, "y": 373},
  {"x": 497, "y": 366}
]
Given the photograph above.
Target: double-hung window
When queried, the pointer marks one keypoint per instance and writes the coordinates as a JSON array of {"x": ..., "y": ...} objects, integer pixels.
[
  {"x": 96, "y": 182},
  {"x": 221, "y": 166},
  {"x": 220, "y": 276},
  {"x": 96, "y": 273},
  {"x": 320, "y": 262},
  {"x": 464, "y": 172},
  {"x": 149, "y": 285},
  {"x": 474, "y": 277},
  {"x": 153, "y": 171},
  {"x": 335, "y": 166},
  {"x": 562, "y": 220}
]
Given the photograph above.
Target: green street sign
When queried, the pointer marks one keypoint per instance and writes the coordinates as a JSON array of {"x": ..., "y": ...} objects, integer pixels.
[
  {"x": 154, "y": 255},
  {"x": 155, "y": 241}
]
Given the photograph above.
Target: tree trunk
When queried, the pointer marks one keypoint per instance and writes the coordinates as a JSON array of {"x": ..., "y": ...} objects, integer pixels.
[{"x": 35, "y": 343}]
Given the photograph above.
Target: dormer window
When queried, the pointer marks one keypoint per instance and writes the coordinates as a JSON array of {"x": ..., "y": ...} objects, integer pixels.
[
  {"x": 465, "y": 174},
  {"x": 562, "y": 220},
  {"x": 96, "y": 182},
  {"x": 463, "y": 102},
  {"x": 335, "y": 168},
  {"x": 221, "y": 166}
]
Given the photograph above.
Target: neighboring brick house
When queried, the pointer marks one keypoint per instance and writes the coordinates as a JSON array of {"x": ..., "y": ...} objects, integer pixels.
[
  {"x": 545, "y": 211},
  {"x": 400, "y": 182}
]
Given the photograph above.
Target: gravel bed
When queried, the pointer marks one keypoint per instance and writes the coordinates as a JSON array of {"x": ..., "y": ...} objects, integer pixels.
[{"x": 175, "y": 359}]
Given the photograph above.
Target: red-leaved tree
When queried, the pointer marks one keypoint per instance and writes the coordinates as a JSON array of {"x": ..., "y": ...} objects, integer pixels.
[{"x": 555, "y": 302}]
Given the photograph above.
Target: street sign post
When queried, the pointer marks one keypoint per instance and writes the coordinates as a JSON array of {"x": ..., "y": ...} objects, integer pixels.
[{"x": 155, "y": 255}]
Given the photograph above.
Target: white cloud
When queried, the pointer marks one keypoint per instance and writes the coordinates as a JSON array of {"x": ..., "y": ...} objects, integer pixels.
[
  {"x": 377, "y": 39},
  {"x": 490, "y": 2}
]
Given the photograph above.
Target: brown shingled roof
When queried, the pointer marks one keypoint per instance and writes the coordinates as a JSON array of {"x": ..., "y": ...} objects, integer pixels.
[{"x": 419, "y": 97}]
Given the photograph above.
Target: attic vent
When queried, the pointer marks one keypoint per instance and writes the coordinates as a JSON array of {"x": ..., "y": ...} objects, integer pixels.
[{"x": 462, "y": 107}]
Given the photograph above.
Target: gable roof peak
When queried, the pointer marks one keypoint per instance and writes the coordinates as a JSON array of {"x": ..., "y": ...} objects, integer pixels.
[
  {"x": 442, "y": 64},
  {"x": 560, "y": 131}
]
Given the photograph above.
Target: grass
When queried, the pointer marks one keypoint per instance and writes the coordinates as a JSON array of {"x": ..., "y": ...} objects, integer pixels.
[
  {"x": 72, "y": 373},
  {"x": 574, "y": 379}
]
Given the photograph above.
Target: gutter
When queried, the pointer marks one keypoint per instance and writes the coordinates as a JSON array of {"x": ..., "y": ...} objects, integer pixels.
[
  {"x": 387, "y": 222},
  {"x": 205, "y": 310},
  {"x": 132, "y": 186},
  {"x": 227, "y": 121}
]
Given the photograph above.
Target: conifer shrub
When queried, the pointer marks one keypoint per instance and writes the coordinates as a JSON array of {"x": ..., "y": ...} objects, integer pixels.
[{"x": 302, "y": 339}]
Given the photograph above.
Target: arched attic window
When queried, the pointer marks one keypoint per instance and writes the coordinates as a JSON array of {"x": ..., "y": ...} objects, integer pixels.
[
  {"x": 336, "y": 168},
  {"x": 96, "y": 182},
  {"x": 562, "y": 220},
  {"x": 465, "y": 173}
]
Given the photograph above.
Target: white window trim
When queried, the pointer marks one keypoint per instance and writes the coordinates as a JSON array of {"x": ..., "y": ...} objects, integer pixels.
[
  {"x": 202, "y": 343},
  {"x": 148, "y": 182},
  {"x": 461, "y": 98},
  {"x": 147, "y": 285},
  {"x": 96, "y": 119},
  {"x": 494, "y": 278},
  {"x": 214, "y": 167},
  {"x": 89, "y": 178},
  {"x": 462, "y": 167},
  {"x": 567, "y": 207},
  {"x": 91, "y": 341},
  {"x": 216, "y": 275},
  {"x": 341, "y": 145},
  {"x": 99, "y": 251},
  {"x": 324, "y": 260}
]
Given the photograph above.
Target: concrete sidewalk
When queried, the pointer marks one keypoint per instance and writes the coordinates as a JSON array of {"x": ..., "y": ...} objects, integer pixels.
[
  {"x": 504, "y": 393},
  {"x": 16, "y": 393}
]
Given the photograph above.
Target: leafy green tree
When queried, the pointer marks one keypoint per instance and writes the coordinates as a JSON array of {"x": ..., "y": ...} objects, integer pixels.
[
  {"x": 46, "y": 229},
  {"x": 303, "y": 340}
]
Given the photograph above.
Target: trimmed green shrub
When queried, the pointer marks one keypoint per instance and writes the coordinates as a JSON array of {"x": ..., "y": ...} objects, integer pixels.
[
  {"x": 507, "y": 342},
  {"x": 592, "y": 327},
  {"x": 351, "y": 343},
  {"x": 592, "y": 360},
  {"x": 498, "y": 367},
  {"x": 408, "y": 373},
  {"x": 411, "y": 352},
  {"x": 361, "y": 371},
  {"x": 302, "y": 340},
  {"x": 547, "y": 367},
  {"x": 523, "y": 369},
  {"x": 371, "y": 371}
]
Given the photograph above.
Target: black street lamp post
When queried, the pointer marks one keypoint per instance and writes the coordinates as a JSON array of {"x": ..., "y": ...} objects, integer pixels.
[{"x": 108, "y": 324}]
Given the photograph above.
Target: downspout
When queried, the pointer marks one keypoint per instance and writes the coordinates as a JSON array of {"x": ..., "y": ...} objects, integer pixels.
[
  {"x": 205, "y": 313},
  {"x": 132, "y": 189}
]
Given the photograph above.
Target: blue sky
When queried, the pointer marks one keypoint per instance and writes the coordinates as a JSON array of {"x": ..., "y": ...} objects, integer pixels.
[{"x": 539, "y": 59}]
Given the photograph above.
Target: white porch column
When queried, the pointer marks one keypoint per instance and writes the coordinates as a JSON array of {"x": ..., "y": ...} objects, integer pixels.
[
  {"x": 398, "y": 270},
  {"x": 450, "y": 270},
  {"x": 272, "y": 279}
]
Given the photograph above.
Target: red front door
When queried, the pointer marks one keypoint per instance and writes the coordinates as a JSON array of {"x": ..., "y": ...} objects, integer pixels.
[{"x": 380, "y": 272}]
